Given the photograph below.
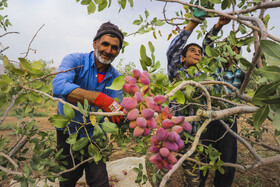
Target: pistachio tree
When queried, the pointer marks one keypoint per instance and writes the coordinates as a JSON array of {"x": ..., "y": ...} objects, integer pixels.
[{"x": 148, "y": 117}]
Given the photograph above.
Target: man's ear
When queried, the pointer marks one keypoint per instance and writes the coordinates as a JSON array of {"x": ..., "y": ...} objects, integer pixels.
[{"x": 94, "y": 44}]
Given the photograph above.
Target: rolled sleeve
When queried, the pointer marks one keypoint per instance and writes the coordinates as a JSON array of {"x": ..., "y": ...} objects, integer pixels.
[{"x": 63, "y": 83}]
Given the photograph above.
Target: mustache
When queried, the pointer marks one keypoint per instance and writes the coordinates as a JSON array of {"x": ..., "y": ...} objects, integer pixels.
[{"x": 106, "y": 54}]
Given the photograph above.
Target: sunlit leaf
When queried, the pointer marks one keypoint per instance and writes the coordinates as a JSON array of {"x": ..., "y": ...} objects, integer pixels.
[
  {"x": 85, "y": 2},
  {"x": 271, "y": 72},
  {"x": 59, "y": 121},
  {"x": 34, "y": 97},
  {"x": 36, "y": 65},
  {"x": 271, "y": 52},
  {"x": 24, "y": 63},
  {"x": 159, "y": 23},
  {"x": 91, "y": 8},
  {"x": 110, "y": 127},
  {"x": 68, "y": 112},
  {"x": 117, "y": 83}
]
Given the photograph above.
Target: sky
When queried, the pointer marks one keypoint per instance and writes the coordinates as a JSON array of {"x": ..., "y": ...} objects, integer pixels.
[{"x": 69, "y": 29}]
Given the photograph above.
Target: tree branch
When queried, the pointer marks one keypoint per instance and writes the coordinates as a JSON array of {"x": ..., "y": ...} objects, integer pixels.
[
  {"x": 8, "y": 109},
  {"x": 32, "y": 41},
  {"x": 246, "y": 144},
  {"x": 186, "y": 155}
]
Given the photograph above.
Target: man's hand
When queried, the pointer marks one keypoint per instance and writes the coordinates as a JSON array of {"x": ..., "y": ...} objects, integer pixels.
[
  {"x": 108, "y": 104},
  {"x": 222, "y": 21}
]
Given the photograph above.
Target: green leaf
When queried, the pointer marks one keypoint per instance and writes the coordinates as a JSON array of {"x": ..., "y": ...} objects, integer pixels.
[
  {"x": 143, "y": 54},
  {"x": 117, "y": 83},
  {"x": 226, "y": 4},
  {"x": 189, "y": 91},
  {"x": 91, "y": 8},
  {"x": 36, "y": 72},
  {"x": 80, "y": 144},
  {"x": 151, "y": 46},
  {"x": 37, "y": 84},
  {"x": 272, "y": 100},
  {"x": 110, "y": 127},
  {"x": 102, "y": 6},
  {"x": 7, "y": 64},
  {"x": 85, "y": 104},
  {"x": 18, "y": 71},
  {"x": 68, "y": 112},
  {"x": 276, "y": 120},
  {"x": 245, "y": 62},
  {"x": 72, "y": 138},
  {"x": 271, "y": 72},
  {"x": 179, "y": 97},
  {"x": 98, "y": 132},
  {"x": 27, "y": 170},
  {"x": 93, "y": 151},
  {"x": 242, "y": 29},
  {"x": 146, "y": 13},
  {"x": 159, "y": 22},
  {"x": 232, "y": 37},
  {"x": 208, "y": 51},
  {"x": 46, "y": 153},
  {"x": 34, "y": 97},
  {"x": 21, "y": 98},
  {"x": 59, "y": 121},
  {"x": 136, "y": 22},
  {"x": 271, "y": 52},
  {"x": 122, "y": 3},
  {"x": 260, "y": 116},
  {"x": 85, "y": 2},
  {"x": 131, "y": 3},
  {"x": 24, "y": 63},
  {"x": 3, "y": 142},
  {"x": 36, "y": 65},
  {"x": 80, "y": 107}
]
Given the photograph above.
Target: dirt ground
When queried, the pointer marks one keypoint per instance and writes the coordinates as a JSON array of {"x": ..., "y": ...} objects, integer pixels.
[{"x": 266, "y": 176}]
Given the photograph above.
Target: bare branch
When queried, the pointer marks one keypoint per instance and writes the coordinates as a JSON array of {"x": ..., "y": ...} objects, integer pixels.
[
  {"x": 247, "y": 145},
  {"x": 10, "y": 159},
  {"x": 192, "y": 83},
  {"x": 8, "y": 109},
  {"x": 54, "y": 74},
  {"x": 4, "y": 49},
  {"x": 120, "y": 113},
  {"x": 228, "y": 15},
  {"x": 9, "y": 33},
  {"x": 234, "y": 89},
  {"x": 32, "y": 41}
]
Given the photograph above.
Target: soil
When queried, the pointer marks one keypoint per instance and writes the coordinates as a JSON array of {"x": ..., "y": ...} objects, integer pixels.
[{"x": 266, "y": 175}]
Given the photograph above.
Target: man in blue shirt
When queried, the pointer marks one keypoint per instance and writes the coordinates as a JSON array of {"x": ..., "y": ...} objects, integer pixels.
[{"x": 89, "y": 82}]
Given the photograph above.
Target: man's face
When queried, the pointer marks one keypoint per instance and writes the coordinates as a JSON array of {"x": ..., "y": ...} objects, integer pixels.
[
  {"x": 193, "y": 55},
  {"x": 106, "y": 49}
]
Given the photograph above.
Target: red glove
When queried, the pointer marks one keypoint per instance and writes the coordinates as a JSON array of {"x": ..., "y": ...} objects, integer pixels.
[{"x": 108, "y": 104}]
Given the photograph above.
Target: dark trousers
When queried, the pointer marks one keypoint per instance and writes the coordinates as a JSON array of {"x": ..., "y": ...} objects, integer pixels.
[
  {"x": 227, "y": 146},
  {"x": 96, "y": 174}
]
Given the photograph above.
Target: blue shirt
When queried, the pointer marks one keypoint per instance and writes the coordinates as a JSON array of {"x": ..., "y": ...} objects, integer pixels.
[{"x": 86, "y": 78}]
